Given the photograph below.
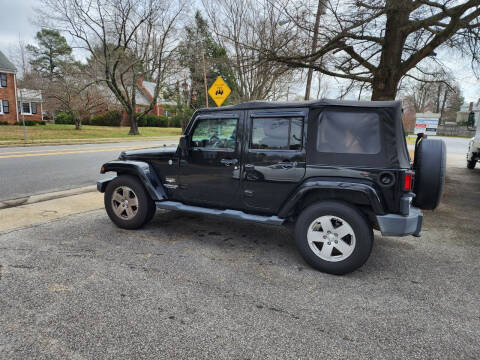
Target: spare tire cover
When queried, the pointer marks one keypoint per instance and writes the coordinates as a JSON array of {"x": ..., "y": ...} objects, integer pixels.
[{"x": 430, "y": 163}]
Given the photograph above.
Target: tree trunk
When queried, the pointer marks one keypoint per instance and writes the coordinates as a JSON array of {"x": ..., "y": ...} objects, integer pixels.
[
  {"x": 384, "y": 86},
  {"x": 77, "y": 121},
  {"x": 133, "y": 124},
  {"x": 389, "y": 72}
]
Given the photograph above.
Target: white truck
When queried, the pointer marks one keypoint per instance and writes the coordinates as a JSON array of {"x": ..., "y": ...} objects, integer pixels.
[{"x": 473, "y": 154}]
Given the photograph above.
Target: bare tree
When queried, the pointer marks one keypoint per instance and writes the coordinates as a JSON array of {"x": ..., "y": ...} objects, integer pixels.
[
  {"x": 124, "y": 38},
  {"x": 19, "y": 55},
  {"x": 74, "y": 93},
  {"x": 378, "y": 42},
  {"x": 437, "y": 92},
  {"x": 243, "y": 28}
]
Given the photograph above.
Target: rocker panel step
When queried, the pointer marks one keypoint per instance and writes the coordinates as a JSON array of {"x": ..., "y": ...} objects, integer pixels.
[{"x": 227, "y": 213}]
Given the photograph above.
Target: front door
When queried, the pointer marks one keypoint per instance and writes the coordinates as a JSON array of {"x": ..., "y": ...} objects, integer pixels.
[
  {"x": 274, "y": 157},
  {"x": 209, "y": 169}
]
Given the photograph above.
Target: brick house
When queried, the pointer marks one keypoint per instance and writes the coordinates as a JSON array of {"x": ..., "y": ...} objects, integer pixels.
[
  {"x": 144, "y": 96},
  {"x": 14, "y": 102}
]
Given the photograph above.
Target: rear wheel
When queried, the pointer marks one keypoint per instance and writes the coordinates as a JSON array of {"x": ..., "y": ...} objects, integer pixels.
[
  {"x": 127, "y": 202},
  {"x": 471, "y": 164},
  {"x": 333, "y": 237}
]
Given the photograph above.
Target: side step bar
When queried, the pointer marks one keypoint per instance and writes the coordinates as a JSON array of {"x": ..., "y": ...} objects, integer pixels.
[{"x": 227, "y": 213}]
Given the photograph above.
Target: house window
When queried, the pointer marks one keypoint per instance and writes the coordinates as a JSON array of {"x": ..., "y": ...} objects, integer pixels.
[
  {"x": 26, "y": 110},
  {"x": 3, "y": 80},
  {"x": 4, "y": 107}
]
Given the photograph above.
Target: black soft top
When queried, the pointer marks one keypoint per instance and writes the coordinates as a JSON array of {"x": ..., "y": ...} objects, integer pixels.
[
  {"x": 394, "y": 153},
  {"x": 312, "y": 104}
]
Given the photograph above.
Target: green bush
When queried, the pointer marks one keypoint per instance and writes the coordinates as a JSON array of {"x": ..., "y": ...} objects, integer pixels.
[
  {"x": 110, "y": 118},
  {"x": 176, "y": 121},
  {"x": 29, "y": 123},
  {"x": 64, "y": 118},
  {"x": 152, "y": 120},
  {"x": 4, "y": 122}
]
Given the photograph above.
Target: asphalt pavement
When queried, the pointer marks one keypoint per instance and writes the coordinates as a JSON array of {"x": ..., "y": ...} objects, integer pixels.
[
  {"x": 190, "y": 286},
  {"x": 34, "y": 170}
]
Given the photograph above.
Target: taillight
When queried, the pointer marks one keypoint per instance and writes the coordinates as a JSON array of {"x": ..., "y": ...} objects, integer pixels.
[{"x": 408, "y": 181}]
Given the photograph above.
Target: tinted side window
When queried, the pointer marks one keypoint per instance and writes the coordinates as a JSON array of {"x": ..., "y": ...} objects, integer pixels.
[
  {"x": 277, "y": 133},
  {"x": 215, "y": 133},
  {"x": 353, "y": 132}
]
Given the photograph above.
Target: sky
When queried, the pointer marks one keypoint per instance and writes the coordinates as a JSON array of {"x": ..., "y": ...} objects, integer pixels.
[{"x": 19, "y": 24}]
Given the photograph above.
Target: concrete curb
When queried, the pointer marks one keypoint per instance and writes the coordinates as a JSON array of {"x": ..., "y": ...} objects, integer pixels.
[
  {"x": 45, "y": 197},
  {"x": 7, "y": 143}
]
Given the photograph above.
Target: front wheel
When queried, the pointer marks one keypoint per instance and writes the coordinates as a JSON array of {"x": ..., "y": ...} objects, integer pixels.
[
  {"x": 333, "y": 237},
  {"x": 471, "y": 164},
  {"x": 127, "y": 202}
]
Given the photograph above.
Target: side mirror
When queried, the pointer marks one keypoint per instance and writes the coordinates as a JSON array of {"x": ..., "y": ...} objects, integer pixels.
[{"x": 183, "y": 144}]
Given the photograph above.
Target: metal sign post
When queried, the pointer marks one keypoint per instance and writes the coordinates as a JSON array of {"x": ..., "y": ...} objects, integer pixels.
[{"x": 23, "y": 116}]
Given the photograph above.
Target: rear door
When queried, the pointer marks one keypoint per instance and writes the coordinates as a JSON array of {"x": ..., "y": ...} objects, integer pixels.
[{"x": 273, "y": 157}]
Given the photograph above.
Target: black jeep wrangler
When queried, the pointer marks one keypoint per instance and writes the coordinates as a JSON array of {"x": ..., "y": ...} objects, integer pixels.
[{"x": 336, "y": 170}]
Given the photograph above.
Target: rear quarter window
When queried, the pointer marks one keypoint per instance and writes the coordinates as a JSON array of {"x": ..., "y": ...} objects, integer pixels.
[{"x": 348, "y": 132}]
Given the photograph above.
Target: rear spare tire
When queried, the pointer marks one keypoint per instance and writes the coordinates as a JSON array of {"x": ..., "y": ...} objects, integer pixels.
[{"x": 430, "y": 164}]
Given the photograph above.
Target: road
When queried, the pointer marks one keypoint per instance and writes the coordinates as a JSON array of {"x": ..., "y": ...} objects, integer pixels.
[
  {"x": 191, "y": 286},
  {"x": 40, "y": 169},
  {"x": 454, "y": 145}
]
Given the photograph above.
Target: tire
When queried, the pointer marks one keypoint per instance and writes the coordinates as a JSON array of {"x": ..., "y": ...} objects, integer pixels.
[
  {"x": 430, "y": 164},
  {"x": 349, "y": 252},
  {"x": 471, "y": 164},
  {"x": 128, "y": 215}
]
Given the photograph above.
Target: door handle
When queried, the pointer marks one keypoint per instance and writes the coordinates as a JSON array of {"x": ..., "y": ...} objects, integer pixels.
[
  {"x": 228, "y": 162},
  {"x": 287, "y": 164}
]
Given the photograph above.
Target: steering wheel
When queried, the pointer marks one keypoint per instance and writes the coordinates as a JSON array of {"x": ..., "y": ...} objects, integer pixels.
[{"x": 214, "y": 139}]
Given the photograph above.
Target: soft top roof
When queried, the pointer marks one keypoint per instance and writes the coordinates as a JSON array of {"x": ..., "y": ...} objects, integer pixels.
[
  {"x": 394, "y": 153},
  {"x": 312, "y": 104}
]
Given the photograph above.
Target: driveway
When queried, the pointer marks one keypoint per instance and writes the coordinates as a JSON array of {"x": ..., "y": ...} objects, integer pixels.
[{"x": 191, "y": 286}]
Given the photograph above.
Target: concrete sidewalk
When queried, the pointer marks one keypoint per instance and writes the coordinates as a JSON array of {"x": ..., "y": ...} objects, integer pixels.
[{"x": 44, "y": 211}]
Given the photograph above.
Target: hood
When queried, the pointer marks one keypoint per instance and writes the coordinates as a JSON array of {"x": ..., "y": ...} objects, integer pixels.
[{"x": 150, "y": 153}]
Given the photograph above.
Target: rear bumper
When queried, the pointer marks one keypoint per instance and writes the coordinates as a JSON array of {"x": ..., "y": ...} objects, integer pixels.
[{"x": 401, "y": 225}]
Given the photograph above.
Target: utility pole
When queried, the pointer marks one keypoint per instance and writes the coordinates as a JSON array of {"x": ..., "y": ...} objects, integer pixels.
[
  {"x": 205, "y": 79},
  {"x": 314, "y": 48}
]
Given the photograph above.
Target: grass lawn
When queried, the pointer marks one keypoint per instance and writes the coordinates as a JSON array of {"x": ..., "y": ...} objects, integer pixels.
[{"x": 53, "y": 132}]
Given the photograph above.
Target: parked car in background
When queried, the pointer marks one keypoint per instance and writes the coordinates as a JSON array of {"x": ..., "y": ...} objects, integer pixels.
[{"x": 473, "y": 153}]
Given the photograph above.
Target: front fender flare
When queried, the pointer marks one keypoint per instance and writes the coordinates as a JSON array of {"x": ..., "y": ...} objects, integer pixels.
[
  {"x": 333, "y": 188},
  {"x": 140, "y": 169}
]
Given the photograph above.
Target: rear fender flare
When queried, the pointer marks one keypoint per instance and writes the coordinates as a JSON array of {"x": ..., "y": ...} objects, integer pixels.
[
  {"x": 344, "y": 190},
  {"x": 140, "y": 169}
]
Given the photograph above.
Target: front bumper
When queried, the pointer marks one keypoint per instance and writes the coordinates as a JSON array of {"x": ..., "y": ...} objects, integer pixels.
[
  {"x": 102, "y": 184},
  {"x": 401, "y": 225}
]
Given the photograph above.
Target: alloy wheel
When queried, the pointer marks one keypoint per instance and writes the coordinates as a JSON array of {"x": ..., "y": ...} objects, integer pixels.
[
  {"x": 124, "y": 202},
  {"x": 331, "y": 238}
]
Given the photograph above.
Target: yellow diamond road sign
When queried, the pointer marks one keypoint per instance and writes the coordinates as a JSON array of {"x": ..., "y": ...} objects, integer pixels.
[{"x": 219, "y": 91}]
